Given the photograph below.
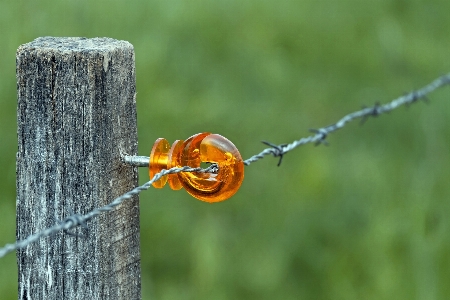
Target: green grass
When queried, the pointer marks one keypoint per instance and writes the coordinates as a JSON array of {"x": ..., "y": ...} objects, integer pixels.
[{"x": 365, "y": 218}]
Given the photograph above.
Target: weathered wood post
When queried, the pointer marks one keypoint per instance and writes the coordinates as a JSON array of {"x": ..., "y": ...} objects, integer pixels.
[{"x": 76, "y": 115}]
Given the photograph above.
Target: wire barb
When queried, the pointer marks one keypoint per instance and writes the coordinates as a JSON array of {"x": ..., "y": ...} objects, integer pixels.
[
  {"x": 374, "y": 112},
  {"x": 277, "y": 150},
  {"x": 75, "y": 218},
  {"x": 319, "y": 137}
]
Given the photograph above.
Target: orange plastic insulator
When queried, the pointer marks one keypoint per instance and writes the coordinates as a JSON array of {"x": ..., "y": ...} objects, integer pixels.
[
  {"x": 199, "y": 148},
  {"x": 173, "y": 157},
  {"x": 158, "y": 161}
]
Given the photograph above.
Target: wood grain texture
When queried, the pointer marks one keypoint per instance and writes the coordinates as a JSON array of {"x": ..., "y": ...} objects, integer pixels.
[{"x": 76, "y": 115}]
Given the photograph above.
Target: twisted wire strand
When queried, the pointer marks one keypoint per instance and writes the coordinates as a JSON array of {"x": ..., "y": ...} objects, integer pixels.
[
  {"x": 75, "y": 220},
  {"x": 363, "y": 114},
  {"x": 275, "y": 150}
]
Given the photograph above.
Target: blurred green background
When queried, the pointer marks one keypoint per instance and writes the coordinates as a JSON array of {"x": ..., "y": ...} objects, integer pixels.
[{"x": 365, "y": 218}]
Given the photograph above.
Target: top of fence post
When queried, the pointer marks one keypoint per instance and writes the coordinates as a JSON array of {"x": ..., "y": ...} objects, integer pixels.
[{"x": 76, "y": 116}]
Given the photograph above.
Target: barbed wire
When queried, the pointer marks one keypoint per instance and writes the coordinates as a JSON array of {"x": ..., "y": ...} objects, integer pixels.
[
  {"x": 363, "y": 114},
  {"x": 75, "y": 220},
  {"x": 319, "y": 137}
]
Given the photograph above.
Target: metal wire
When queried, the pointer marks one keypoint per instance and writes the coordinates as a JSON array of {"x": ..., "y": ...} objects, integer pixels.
[
  {"x": 77, "y": 219},
  {"x": 275, "y": 150},
  {"x": 363, "y": 114}
]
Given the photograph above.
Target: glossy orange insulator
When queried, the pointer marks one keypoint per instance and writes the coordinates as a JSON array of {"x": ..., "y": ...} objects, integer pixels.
[
  {"x": 173, "y": 157},
  {"x": 158, "y": 161},
  {"x": 200, "y": 148}
]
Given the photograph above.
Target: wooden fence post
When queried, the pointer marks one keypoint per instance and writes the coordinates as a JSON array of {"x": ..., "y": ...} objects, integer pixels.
[{"x": 76, "y": 115}]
